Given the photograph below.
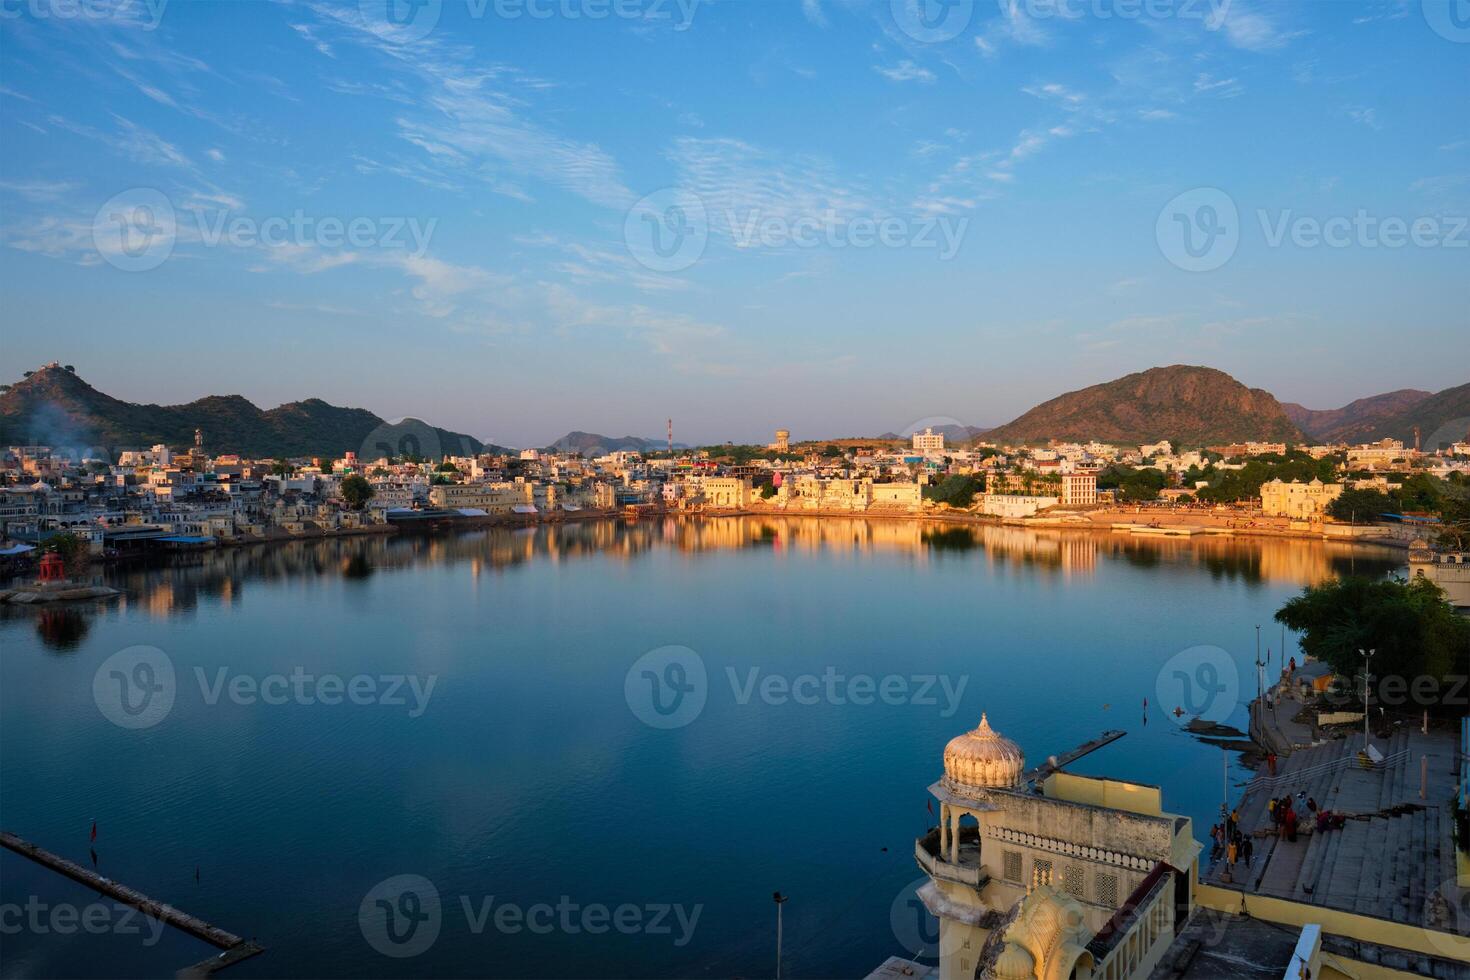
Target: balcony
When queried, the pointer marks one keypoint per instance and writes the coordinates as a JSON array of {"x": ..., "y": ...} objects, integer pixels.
[{"x": 966, "y": 871}]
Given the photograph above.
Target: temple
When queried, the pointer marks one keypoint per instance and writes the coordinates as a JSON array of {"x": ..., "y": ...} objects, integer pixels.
[{"x": 1047, "y": 875}]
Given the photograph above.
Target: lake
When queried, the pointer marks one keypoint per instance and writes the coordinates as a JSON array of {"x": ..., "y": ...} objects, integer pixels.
[{"x": 604, "y": 745}]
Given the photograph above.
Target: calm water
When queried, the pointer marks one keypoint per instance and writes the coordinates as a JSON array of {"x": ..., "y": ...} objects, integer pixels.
[{"x": 528, "y": 776}]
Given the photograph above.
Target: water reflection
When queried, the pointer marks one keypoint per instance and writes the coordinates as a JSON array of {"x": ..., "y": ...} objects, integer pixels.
[{"x": 176, "y": 586}]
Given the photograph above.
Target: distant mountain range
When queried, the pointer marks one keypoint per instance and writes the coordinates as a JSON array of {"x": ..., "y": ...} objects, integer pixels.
[
  {"x": 54, "y": 407},
  {"x": 1355, "y": 420},
  {"x": 1191, "y": 406},
  {"x": 1442, "y": 418},
  {"x": 595, "y": 444}
]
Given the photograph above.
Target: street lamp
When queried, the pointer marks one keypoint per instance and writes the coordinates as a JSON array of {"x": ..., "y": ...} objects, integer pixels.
[
  {"x": 780, "y": 900},
  {"x": 1367, "y": 657}
]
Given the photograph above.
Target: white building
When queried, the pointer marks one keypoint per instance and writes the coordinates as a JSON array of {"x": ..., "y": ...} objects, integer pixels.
[
  {"x": 1079, "y": 489},
  {"x": 929, "y": 441}
]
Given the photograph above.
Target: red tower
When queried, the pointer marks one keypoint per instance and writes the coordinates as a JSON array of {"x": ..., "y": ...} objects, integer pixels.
[{"x": 53, "y": 569}]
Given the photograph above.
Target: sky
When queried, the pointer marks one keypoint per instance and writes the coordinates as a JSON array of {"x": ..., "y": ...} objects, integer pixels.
[{"x": 514, "y": 218}]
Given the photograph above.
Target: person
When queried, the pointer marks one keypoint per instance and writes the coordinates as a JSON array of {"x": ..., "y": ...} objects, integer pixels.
[
  {"x": 1291, "y": 826},
  {"x": 1247, "y": 851},
  {"x": 1271, "y": 809},
  {"x": 1271, "y": 763},
  {"x": 1312, "y": 804},
  {"x": 1230, "y": 854}
]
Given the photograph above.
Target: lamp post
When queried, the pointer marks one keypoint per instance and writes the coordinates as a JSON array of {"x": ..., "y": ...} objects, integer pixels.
[
  {"x": 1367, "y": 658},
  {"x": 780, "y": 900}
]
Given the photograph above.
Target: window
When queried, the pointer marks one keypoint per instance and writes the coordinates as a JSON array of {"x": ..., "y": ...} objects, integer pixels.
[
  {"x": 1041, "y": 868},
  {"x": 1072, "y": 881},
  {"x": 1106, "y": 887},
  {"x": 1012, "y": 863}
]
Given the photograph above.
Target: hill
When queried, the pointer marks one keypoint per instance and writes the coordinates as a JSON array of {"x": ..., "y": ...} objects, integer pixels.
[
  {"x": 1443, "y": 417},
  {"x": 954, "y": 434},
  {"x": 1351, "y": 422},
  {"x": 595, "y": 444},
  {"x": 1191, "y": 406},
  {"x": 55, "y": 407}
]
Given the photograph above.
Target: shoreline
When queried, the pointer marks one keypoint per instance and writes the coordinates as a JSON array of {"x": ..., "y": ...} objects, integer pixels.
[{"x": 1078, "y": 523}]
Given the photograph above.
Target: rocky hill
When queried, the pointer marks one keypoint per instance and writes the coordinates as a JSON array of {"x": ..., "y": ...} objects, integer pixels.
[
  {"x": 1192, "y": 406},
  {"x": 1443, "y": 417},
  {"x": 1354, "y": 420},
  {"x": 55, "y": 407}
]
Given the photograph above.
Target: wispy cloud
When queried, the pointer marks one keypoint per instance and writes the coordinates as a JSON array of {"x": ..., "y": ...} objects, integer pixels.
[
  {"x": 470, "y": 118},
  {"x": 1252, "y": 28},
  {"x": 905, "y": 71}
]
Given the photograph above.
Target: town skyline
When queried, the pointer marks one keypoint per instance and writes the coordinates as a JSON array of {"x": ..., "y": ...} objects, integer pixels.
[{"x": 59, "y": 424}]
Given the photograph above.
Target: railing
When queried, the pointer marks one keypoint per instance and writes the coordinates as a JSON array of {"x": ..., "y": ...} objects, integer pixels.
[
  {"x": 937, "y": 864},
  {"x": 1350, "y": 762},
  {"x": 1135, "y": 936}
]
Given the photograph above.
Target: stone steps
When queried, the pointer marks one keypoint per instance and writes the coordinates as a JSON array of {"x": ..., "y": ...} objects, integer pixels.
[{"x": 1376, "y": 870}]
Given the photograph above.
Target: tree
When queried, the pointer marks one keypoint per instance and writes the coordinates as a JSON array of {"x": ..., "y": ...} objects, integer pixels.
[
  {"x": 1361, "y": 506},
  {"x": 72, "y": 549},
  {"x": 768, "y": 491},
  {"x": 955, "y": 490},
  {"x": 831, "y": 451},
  {"x": 357, "y": 491},
  {"x": 447, "y": 467},
  {"x": 1132, "y": 485},
  {"x": 1413, "y": 630}
]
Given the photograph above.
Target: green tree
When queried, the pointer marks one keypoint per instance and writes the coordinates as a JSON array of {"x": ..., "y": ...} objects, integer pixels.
[
  {"x": 1361, "y": 506},
  {"x": 356, "y": 491},
  {"x": 955, "y": 490},
  {"x": 73, "y": 551},
  {"x": 768, "y": 490},
  {"x": 1413, "y": 630},
  {"x": 1132, "y": 485}
]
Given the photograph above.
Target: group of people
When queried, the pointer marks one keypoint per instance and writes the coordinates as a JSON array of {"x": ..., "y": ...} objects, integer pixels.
[
  {"x": 1229, "y": 842},
  {"x": 1285, "y": 816}
]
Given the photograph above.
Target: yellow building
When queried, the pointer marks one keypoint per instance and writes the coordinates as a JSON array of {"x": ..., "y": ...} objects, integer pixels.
[
  {"x": 1299, "y": 501},
  {"x": 492, "y": 498},
  {"x": 726, "y": 492}
]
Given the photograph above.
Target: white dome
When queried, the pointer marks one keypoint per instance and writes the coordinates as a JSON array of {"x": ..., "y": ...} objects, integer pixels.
[{"x": 983, "y": 759}]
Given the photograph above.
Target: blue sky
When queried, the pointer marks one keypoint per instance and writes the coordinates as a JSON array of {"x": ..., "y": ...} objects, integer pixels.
[{"x": 173, "y": 170}]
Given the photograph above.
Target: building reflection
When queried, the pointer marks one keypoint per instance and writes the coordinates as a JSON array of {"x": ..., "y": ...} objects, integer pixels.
[{"x": 178, "y": 586}]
